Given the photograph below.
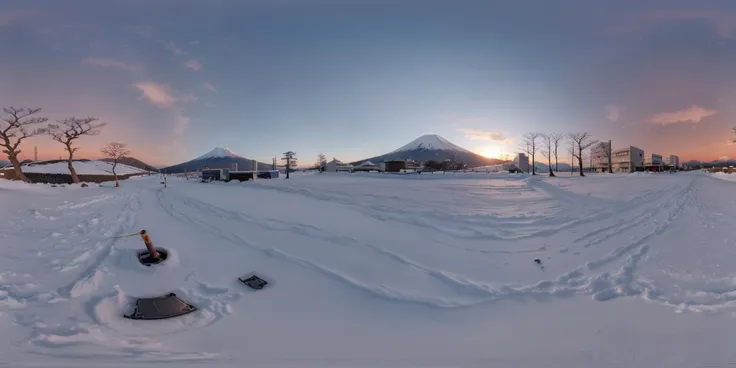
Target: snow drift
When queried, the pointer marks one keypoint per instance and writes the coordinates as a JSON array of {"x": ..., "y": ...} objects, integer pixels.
[{"x": 431, "y": 269}]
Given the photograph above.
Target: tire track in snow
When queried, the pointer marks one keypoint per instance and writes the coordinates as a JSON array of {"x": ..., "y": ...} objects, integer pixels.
[{"x": 471, "y": 292}]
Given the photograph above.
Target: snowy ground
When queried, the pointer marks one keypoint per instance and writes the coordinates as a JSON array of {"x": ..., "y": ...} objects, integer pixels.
[
  {"x": 376, "y": 270},
  {"x": 82, "y": 168}
]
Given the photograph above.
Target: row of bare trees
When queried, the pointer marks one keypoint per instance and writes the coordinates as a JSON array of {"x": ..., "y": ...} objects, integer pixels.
[
  {"x": 548, "y": 145},
  {"x": 21, "y": 123}
]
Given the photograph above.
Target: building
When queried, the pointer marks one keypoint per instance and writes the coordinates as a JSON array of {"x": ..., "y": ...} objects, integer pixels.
[
  {"x": 599, "y": 156},
  {"x": 367, "y": 166},
  {"x": 521, "y": 161},
  {"x": 653, "y": 162},
  {"x": 395, "y": 165},
  {"x": 336, "y": 165},
  {"x": 627, "y": 160},
  {"x": 673, "y": 161}
]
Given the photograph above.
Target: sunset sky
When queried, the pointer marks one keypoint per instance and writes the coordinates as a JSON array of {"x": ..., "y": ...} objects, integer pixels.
[{"x": 355, "y": 79}]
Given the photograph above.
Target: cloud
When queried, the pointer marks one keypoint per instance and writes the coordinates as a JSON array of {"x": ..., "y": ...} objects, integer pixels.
[
  {"x": 193, "y": 64},
  {"x": 724, "y": 158},
  {"x": 208, "y": 86},
  {"x": 613, "y": 113},
  {"x": 18, "y": 16},
  {"x": 111, "y": 63},
  {"x": 723, "y": 22},
  {"x": 171, "y": 46},
  {"x": 182, "y": 123},
  {"x": 694, "y": 114},
  {"x": 480, "y": 135},
  {"x": 195, "y": 42},
  {"x": 160, "y": 94}
]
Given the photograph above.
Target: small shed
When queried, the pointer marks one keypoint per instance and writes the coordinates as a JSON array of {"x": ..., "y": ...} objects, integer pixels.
[{"x": 395, "y": 165}]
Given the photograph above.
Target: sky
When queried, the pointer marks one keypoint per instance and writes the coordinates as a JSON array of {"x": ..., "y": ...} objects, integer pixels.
[{"x": 354, "y": 79}]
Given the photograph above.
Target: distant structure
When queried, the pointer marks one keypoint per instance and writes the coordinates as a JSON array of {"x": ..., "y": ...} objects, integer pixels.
[
  {"x": 653, "y": 162},
  {"x": 628, "y": 160},
  {"x": 336, "y": 165},
  {"x": 600, "y": 155},
  {"x": 35, "y": 153},
  {"x": 521, "y": 161},
  {"x": 673, "y": 161}
]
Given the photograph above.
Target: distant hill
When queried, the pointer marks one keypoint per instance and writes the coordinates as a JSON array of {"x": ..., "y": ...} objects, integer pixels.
[
  {"x": 433, "y": 147},
  {"x": 722, "y": 162},
  {"x": 4, "y": 163},
  {"x": 218, "y": 158},
  {"x": 561, "y": 167},
  {"x": 134, "y": 162}
]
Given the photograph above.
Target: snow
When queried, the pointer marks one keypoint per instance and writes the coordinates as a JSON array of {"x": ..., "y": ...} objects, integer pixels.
[
  {"x": 724, "y": 176},
  {"x": 431, "y": 142},
  {"x": 375, "y": 270},
  {"x": 82, "y": 168},
  {"x": 218, "y": 152}
]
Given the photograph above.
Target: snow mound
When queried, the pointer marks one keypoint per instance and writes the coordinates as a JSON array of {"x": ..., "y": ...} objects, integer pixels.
[
  {"x": 218, "y": 152},
  {"x": 431, "y": 142},
  {"x": 82, "y": 168}
]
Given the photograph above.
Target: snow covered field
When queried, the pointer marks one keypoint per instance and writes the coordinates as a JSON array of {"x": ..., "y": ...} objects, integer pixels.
[
  {"x": 375, "y": 270},
  {"x": 82, "y": 168}
]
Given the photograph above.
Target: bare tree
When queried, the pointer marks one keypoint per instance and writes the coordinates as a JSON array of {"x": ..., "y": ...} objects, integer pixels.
[
  {"x": 530, "y": 147},
  {"x": 547, "y": 146},
  {"x": 556, "y": 140},
  {"x": 321, "y": 162},
  {"x": 115, "y": 151},
  {"x": 14, "y": 128},
  {"x": 733, "y": 130},
  {"x": 70, "y": 129},
  {"x": 582, "y": 141},
  {"x": 290, "y": 160}
]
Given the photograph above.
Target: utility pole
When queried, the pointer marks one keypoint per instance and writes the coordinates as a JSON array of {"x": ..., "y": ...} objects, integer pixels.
[{"x": 35, "y": 153}]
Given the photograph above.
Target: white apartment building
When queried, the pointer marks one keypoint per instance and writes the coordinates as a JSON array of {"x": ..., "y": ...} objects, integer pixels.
[
  {"x": 653, "y": 162},
  {"x": 673, "y": 161},
  {"x": 522, "y": 162},
  {"x": 627, "y": 159},
  {"x": 599, "y": 156}
]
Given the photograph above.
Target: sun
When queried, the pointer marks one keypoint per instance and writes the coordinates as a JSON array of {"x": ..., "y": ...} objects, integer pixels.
[{"x": 490, "y": 151}]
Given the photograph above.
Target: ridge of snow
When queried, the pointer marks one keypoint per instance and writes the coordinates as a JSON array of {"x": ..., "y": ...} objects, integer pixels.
[
  {"x": 217, "y": 153},
  {"x": 431, "y": 142},
  {"x": 94, "y": 167}
]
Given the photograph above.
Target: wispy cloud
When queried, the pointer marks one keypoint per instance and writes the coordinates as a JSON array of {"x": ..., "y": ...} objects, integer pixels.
[
  {"x": 20, "y": 15},
  {"x": 614, "y": 113},
  {"x": 161, "y": 95},
  {"x": 111, "y": 63},
  {"x": 480, "y": 135},
  {"x": 195, "y": 42},
  {"x": 723, "y": 22},
  {"x": 694, "y": 114},
  {"x": 193, "y": 64},
  {"x": 208, "y": 86},
  {"x": 182, "y": 123},
  {"x": 171, "y": 46}
]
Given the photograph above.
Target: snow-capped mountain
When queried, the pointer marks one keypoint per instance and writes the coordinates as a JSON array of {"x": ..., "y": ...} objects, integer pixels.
[
  {"x": 218, "y": 152},
  {"x": 218, "y": 158},
  {"x": 431, "y": 142},
  {"x": 433, "y": 147}
]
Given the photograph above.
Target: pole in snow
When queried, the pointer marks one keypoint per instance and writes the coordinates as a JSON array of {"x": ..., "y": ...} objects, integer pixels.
[{"x": 149, "y": 245}]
